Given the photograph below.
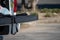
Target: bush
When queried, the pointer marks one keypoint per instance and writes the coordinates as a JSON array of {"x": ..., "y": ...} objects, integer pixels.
[
  {"x": 34, "y": 14},
  {"x": 50, "y": 15},
  {"x": 55, "y": 10},
  {"x": 44, "y": 10},
  {"x": 47, "y": 15}
]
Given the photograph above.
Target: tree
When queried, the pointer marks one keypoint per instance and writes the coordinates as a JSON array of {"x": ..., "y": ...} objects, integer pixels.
[
  {"x": 23, "y": 2},
  {"x": 23, "y": 5},
  {"x": 34, "y": 3}
]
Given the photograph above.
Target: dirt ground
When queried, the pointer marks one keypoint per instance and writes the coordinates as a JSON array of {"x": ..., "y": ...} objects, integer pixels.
[
  {"x": 41, "y": 20},
  {"x": 54, "y": 19}
]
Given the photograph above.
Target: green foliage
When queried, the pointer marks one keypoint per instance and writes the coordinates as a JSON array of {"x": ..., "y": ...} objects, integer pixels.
[
  {"x": 45, "y": 10},
  {"x": 47, "y": 15},
  {"x": 56, "y": 10},
  {"x": 50, "y": 14},
  {"x": 34, "y": 14}
]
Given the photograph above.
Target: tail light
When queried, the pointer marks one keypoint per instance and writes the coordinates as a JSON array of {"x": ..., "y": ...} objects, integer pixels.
[{"x": 15, "y": 5}]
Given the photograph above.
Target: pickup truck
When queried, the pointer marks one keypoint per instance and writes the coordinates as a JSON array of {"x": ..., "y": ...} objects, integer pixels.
[{"x": 10, "y": 24}]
